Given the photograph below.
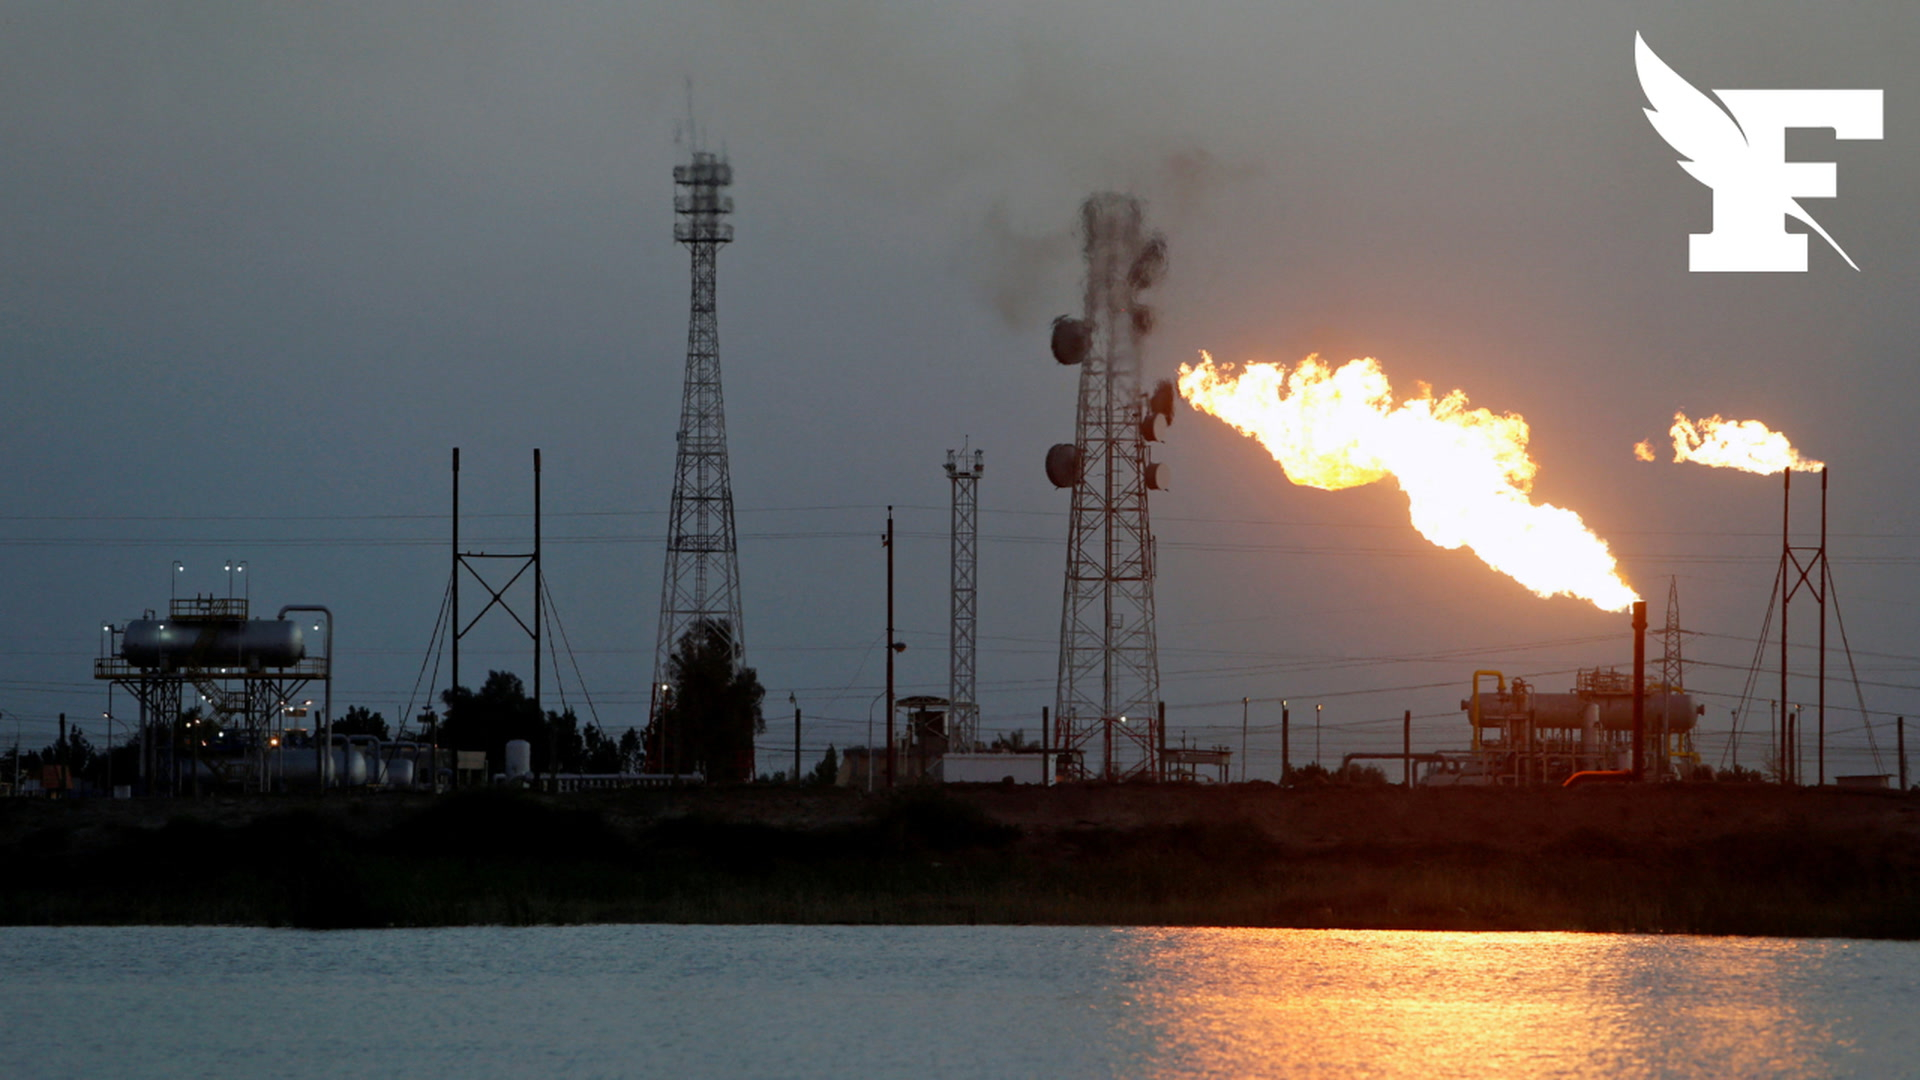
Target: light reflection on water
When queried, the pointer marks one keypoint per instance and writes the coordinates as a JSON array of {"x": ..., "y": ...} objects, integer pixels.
[
  {"x": 1333, "y": 1003},
  {"x": 781, "y": 1001}
]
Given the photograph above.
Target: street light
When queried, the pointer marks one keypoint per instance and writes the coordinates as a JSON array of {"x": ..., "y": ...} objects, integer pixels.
[
  {"x": 173, "y": 579},
  {"x": 239, "y": 566}
]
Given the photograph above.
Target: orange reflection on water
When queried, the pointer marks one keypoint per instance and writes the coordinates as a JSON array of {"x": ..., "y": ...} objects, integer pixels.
[{"x": 1309, "y": 1003}]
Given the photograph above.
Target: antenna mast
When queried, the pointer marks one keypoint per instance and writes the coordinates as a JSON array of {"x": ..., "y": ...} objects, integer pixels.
[
  {"x": 963, "y": 708},
  {"x": 1108, "y": 696},
  {"x": 702, "y": 580}
]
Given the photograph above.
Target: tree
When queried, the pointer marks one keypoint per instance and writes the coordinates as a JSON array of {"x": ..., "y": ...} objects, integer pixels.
[
  {"x": 360, "y": 721},
  {"x": 1312, "y": 774},
  {"x": 633, "y": 758},
  {"x": 1016, "y": 742},
  {"x": 709, "y": 712},
  {"x": 600, "y": 753},
  {"x": 827, "y": 773},
  {"x": 1361, "y": 775},
  {"x": 486, "y": 720}
]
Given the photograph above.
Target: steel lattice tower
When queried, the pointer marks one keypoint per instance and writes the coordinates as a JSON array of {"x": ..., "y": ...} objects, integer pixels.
[
  {"x": 1672, "y": 676},
  {"x": 703, "y": 566},
  {"x": 963, "y": 710},
  {"x": 1107, "y": 722}
]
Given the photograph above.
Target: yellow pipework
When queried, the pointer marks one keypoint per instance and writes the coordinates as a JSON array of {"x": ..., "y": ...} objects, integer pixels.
[{"x": 1473, "y": 702}]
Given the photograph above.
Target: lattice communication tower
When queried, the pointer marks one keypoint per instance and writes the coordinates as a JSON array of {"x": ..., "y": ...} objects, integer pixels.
[
  {"x": 702, "y": 582},
  {"x": 963, "y": 713},
  {"x": 1107, "y": 721}
]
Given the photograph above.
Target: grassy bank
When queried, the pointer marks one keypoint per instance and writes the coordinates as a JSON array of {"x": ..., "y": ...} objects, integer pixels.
[{"x": 1701, "y": 860}]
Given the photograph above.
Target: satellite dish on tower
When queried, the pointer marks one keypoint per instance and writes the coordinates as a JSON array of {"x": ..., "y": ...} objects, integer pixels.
[
  {"x": 1063, "y": 465},
  {"x": 1160, "y": 402},
  {"x": 1071, "y": 339},
  {"x": 1149, "y": 264}
]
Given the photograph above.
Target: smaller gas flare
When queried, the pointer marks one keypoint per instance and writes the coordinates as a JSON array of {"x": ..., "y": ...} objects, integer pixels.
[
  {"x": 1747, "y": 445},
  {"x": 1643, "y": 450}
]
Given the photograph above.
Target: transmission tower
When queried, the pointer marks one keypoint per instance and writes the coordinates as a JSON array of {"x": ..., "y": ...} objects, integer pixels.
[
  {"x": 963, "y": 709},
  {"x": 1109, "y": 680},
  {"x": 1672, "y": 677},
  {"x": 702, "y": 582}
]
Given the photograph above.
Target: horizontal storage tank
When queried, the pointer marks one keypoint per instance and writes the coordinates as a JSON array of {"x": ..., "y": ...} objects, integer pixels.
[
  {"x": 243, "y": 643},
  {"x": 1566, "y": 711},
  {"x": 400, "y": 773}
]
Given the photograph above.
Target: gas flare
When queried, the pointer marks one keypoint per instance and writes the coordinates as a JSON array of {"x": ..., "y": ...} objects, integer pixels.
[
  {"x": 1747, "y": 445},
  {"x": 1466, "y": 472}
]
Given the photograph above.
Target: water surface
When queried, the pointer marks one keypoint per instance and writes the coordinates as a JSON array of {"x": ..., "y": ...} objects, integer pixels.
[{"x": 789, "y": 1001}]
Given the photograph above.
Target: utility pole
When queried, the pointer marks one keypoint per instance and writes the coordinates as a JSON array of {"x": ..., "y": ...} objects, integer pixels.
[
  {"x": 1286, "y": 765},
  {"x": 1048, "y": 767},
  {"x": 888, "y": 544},
  {"x": 1639, "y": 690},
  {"x": 1804, "y": 567},
  {"x": 1820, "y": 749},
  {"x": 796, "y": 738},
  {"x": 1243, "y": 740},
  {"x": 1406, "y": 749},
  {"x": 1899, "y": 735}
]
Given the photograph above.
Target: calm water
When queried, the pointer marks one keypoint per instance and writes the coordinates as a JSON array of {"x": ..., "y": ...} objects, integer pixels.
[{"x": 779, "y": 1001}]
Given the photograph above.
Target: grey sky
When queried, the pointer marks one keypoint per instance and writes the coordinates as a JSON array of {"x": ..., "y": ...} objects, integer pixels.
[{"x": 261, "y": 266}]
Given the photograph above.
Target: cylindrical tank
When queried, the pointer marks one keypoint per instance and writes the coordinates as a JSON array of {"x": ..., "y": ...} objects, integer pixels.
[
  {"x": 400, "y": 773},
  {"x": 349, "y": 767},
  {"x": 1568, "y": 711},
  {"x": 243, "y": 643},
  {"x": 519, "y": 759}
]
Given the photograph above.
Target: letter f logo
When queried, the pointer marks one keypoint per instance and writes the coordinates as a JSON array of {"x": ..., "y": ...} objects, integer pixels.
[{"x": 1743, "y": 158}]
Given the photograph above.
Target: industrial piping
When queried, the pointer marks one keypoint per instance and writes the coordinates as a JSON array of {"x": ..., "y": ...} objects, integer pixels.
[{"x": 323, "y": 746}]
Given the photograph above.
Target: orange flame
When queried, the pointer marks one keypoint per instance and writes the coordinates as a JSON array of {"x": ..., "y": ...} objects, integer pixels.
[
  {"x": 1747, "y": 445},
  {"x": 1465, "y": 471}
]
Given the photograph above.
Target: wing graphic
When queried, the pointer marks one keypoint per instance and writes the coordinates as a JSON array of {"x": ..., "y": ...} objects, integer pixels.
[{"x": 1709, "y": 140}]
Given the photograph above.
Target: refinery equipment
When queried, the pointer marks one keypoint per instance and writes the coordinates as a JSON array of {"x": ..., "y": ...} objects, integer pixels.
[
  {"x": 1108, "y": 691},
  {"x": 248, "y": 674},
  {"x": 1522, "y": 735}
]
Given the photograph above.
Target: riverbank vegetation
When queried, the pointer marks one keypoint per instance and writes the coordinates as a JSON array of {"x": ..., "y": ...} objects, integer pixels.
[{"x": 1746, "y": 859}]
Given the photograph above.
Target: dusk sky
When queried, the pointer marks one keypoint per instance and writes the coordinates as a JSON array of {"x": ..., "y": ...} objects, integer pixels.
[{"x": 262, "y": 266}]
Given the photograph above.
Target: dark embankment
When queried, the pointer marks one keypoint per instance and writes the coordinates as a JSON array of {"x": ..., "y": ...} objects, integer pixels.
[{"x": 1697, "y": 859}]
